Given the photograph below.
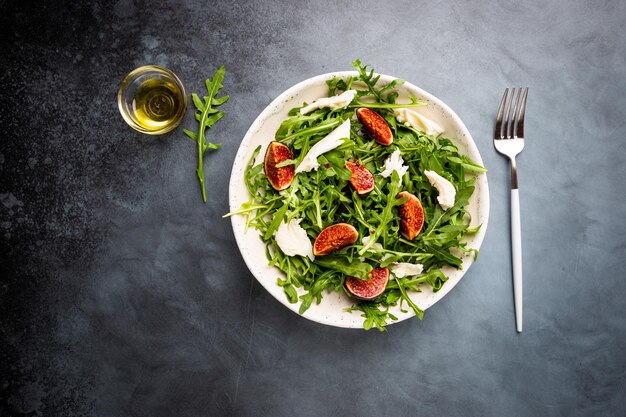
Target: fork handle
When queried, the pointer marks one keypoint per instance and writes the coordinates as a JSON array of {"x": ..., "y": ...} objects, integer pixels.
[{"x": 516, "y": 254}]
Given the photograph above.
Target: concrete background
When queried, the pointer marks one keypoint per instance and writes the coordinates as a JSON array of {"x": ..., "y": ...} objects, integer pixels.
[{"x": 123, "y": 295}]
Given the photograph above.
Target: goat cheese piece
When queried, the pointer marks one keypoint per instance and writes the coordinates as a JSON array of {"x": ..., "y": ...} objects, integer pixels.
[
  {"x": 395, "y": 163},
  {"x": 329, "y": 142},
  {"x": 366, "y": 240},
  {"x": 293, "y": 240},
  {"x": 334, "y": 103},
  {"x": 375, "y": 246},
  {"x": 415, "y": 120},
  {"x": 405, "y": 269},
  {"x": 446, "y": 190}
]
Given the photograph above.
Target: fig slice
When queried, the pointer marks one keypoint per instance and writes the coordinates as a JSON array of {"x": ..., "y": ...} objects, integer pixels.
[
  {"x": 362, "y": 180},
  {"x": 375, "y": 126},
  {"x": 279, "y": 178},
  {"x": 334, "y": 238},
  {"x": 411, "y": 216},
  {"x": 368, "y": 289}
]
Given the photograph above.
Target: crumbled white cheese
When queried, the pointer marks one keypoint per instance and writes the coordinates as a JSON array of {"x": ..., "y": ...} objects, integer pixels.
[
  {"x": 334, "y": 103},
  {"x": 329, "y": 142},
  {"x": 446, "y": 190},
  {"x": 293, "y": 240},
  {"x": 404, "y": 269},
  {"x": 375, "y": 246},
  {"x": 395, "y": 163},
  {"x": 366, "y": 240},
  {"x": 415, "y": 120}
]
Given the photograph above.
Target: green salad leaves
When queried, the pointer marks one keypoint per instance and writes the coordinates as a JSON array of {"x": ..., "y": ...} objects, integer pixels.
[{"x": 324, "y": 197}]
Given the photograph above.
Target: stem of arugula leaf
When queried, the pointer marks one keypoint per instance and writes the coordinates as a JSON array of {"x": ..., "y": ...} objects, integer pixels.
[
  {"x": 200, "y": 170},
  {"x": 385, "y": 105},
  {"x": 418, "y": 311},
  {"x": 407, "y": 254},
  {"x": 358, "y": 215},
  {"x": 419, "y": 280},
  {"x": 245, "y": 210},
  {"x": 312, "y": 130},
  {"x": 408, "y": 242},
  {"x": 366, "y": 160}
]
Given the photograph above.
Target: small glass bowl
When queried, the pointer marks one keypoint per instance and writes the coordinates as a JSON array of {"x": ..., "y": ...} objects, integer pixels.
[{"x": 133, "y": 84}]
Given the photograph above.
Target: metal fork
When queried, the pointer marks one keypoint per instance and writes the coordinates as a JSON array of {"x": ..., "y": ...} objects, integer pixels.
[{"x": 508, "y": 139}]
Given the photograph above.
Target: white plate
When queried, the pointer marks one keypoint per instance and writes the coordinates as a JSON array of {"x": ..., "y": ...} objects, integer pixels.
[{"x": 331, "y": 310}]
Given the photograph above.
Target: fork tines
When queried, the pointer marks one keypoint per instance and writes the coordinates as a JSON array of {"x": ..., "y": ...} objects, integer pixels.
[{"x": 513, "y": 127}]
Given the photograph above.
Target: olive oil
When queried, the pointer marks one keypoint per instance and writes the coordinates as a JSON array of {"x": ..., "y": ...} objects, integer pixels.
[
  {"x": 157, "y": 104},
  {"x": 152, "y": 100}
]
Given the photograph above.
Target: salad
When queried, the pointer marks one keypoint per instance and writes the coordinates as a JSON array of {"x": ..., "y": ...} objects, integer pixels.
[{"x": 363, "y": 195}]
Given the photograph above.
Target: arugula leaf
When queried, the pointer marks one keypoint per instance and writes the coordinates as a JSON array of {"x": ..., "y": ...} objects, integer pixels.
[
  {"x": 207, "y": 115},
  {"x": 374, "y": 316},
  {"x": 278, "y": 219},
  {"x": 285, "y": 163},
  {"x": 383, "y": 100},
  {"x": 252, "y": 171},
  {"x": 355, "y": 268},
  {"x": 418, "y": 312},
  {"x": 386, "y": 216},
  {"x": 329, "y": 280},
  {"x": 368, "y": 78},
  {"x": 290, "y": 290}
]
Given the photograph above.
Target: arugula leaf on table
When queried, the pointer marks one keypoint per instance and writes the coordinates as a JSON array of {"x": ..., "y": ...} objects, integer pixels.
[{"x": 207, "y": 115}]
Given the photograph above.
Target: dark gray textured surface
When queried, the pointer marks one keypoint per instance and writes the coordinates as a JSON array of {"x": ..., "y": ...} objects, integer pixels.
[{"x": 122, "y": 294}]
